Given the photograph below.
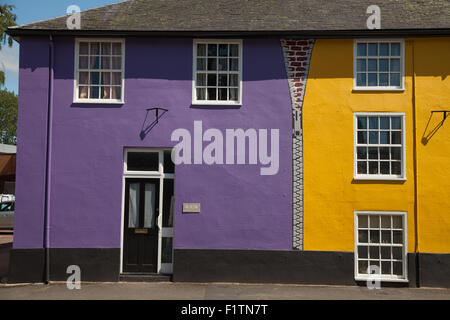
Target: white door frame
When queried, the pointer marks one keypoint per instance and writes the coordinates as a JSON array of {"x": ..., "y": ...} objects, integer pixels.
[{"x": 162, "y": 232}]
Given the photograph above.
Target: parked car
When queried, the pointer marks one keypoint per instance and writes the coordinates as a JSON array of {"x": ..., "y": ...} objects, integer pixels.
[{"x": 7, "y": 211}]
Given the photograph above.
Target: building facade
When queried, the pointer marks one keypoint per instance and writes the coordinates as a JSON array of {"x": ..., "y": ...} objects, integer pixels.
[{"x": 313, "y": 156}]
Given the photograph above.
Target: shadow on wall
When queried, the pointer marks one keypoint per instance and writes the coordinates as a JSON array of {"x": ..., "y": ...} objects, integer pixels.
[{"x": 433, "y": 125}]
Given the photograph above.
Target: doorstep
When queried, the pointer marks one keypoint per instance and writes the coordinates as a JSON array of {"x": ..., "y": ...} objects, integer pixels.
[{"x": 144, "y": 277}]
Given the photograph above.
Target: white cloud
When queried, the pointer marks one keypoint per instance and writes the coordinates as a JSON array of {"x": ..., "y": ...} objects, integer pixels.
[{"x": 9, "y": 58}]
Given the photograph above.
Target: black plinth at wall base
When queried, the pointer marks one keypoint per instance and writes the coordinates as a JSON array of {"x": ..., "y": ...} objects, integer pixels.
[{"x": 96, "y": 264}]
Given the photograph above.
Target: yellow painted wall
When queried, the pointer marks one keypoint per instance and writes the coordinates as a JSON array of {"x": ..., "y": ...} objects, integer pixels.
[{"x": 330, "y": 194}]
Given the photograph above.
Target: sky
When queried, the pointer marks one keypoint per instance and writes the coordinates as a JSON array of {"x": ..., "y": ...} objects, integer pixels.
[{"x": 30, "y": 11}]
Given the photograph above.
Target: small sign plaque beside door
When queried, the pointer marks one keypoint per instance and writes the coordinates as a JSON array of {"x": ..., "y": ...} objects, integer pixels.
[{"x": 191, "y": 207}]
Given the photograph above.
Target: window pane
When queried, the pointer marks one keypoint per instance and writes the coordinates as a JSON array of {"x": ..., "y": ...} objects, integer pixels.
[
  {"x": 396, "y": 123},
  {"x": 117, "y": 48},
  {"x": 94, "y": 92},
  {"x": 84, "y": 48},
  {"x": 375, "y": 237},
  {"x": 396, "y": 137},
  {"x": 223, "y": 80},
  {"x": 384, "y": 49},
  {"x": 397, "y": 253},
  {"x": 95, "y": 48},
  {"x": 362, "y": 153},
  {"x": 373, "y": 49},
  {"x": 106, "y": 48},
  {"x": 106, "y": 63},
  {"x": 395, "y": 65},
  {"x": 212, "y": 93},
  {"x": 95, "y": 62},
  {"x": 201, "y": 64},
  {"x": 168, "y": 205},
  {"x": 374, "y": 252},
  {"x": 386, "y": 252},
  {"x": 117, "y": 78},
  {"x": 84, "y": 78},
  {"x": 384, "y": 65},
  {"x": 384, "y": 167},
  {"x": 395, "y": 49},
  {"x": 142, "y": 161},
  {"x": 397, "y": 268},
  {"x": 105, "y": 92},
  {"x": 397, "y": 236},
  {"x": 169, "y": 166},
  {"x": 212, "y": 80},
  {"x": 384, "y": 123},
  {"x": 233, "y": 80},
  {"x": 395, "y": 79},
  {"x": 234, "y": 65},
  {"x": 133, "y": 206},
  {"x": 361, "y": 65},
  {"x": 386, "y": 267},
  {"x": 361, "y": 79},
  {"x": 201, "y": 49},
  {"x": 384, "y": 137},
  {"x": 95, "y": 77},
  {"x": 397, "y": 222},
  {"x": 149, "y": 206},
  {"x": 83, "y": 62},
  {"x": 362, "y": 49},
  {"x": 372, "y": 79},
  {"x": 396, "y": 168},
  {"x": 362, "y": 137},
  {"x": 201, "y": 94},
  {"x": 116, "y": 93},
  {"x": 386, "y": 236},
  {"x": 373, "y": 137},
  {"x": 234, "y": 95},
  {"x": 212, "y": 49},
  {"x": 223, "y": 94},
  {"x": 385, "y": 221},
  {"x": 362, "y": 267},
  {"x": 362, "y": 122},
  {"x": 201, "y": 79},
  {"x": 374, "y": 221},
  {"x": 384, "y": 79},
  {"x": 363, "y": 252},
  {"x": 373, "y": 122},
  {"x": 384, "y": 153},
  {"x": 234, "y": 50},
  {"x": 362, "y": 167},
  {"x": 117, "y": 63},
  {"x": 363, "y": 221},
  {"x": 373, "y": 167},
  {"x": 363, "y": 236},
  {"x": 223, "y": 64},
  {"x": 106, "y": 78},
  {"x": 223, "y": 50},
  {"x": 83, "y": 92},
  {"x": 372, "y": 65},
  {"x": 212, "y": 64},
  {"x": 373, "y": 153}
]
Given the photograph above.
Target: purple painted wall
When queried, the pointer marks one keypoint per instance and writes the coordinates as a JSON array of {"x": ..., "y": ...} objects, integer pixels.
[{"x": 240, "y": 209}]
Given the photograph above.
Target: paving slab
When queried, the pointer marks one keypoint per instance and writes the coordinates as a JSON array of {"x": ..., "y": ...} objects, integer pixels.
[{"x": 213, "y": 291}]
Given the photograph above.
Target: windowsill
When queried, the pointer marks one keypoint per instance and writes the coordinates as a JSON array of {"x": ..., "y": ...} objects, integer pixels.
[
  {"x": 381, "y": 279},
  {"x": 368, "y": 178},
  {"x": 216, "y": 103},
  {"x": 98, "y": 102},
  {"x": 378, "y": 89}
]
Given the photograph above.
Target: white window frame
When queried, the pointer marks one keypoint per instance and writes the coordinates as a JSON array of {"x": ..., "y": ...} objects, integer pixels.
[
  {"x": 194, "y": 71},
  {"x": 163, "y": 268},
  {"x": 387, "y": 278},
  {"x": 379, "y": 88},
  {"x": 76, "y": 98},
  {"x": 356, "y": 176}
]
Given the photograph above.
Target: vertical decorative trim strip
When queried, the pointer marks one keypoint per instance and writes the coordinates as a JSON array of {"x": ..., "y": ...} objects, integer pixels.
[{"x": 297, "y": 57}]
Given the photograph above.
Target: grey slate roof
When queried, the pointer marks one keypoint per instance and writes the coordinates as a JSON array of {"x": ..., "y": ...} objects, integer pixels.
[{"x": 254, "y": 16}]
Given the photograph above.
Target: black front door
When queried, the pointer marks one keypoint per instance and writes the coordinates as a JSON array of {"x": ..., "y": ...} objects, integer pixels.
[{"x": 140, "y": 247}]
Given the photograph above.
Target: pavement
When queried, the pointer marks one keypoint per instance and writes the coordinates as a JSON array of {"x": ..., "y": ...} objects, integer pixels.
[{"x": 212, "y": 291}]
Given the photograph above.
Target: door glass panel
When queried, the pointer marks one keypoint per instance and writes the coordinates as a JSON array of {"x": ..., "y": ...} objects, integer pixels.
[
  {"x": 149, "y": 209},
  {"x": 133, "y": 206},
  {"x": 168, "y": 204},
  {"x": 142, "y": 161},
  {"x": 169, "y": 166},
  {"x": 167, "y": 245}
]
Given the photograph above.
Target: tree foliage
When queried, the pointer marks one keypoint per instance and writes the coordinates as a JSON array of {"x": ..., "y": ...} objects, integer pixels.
[
  {"x": 8, "y": 117},
  {"x": 7, "y": 19}
]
